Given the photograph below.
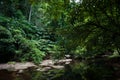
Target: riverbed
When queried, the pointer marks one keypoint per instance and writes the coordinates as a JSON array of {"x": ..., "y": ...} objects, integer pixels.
[
  {"x": 46, "y": 70},
  {"x": 62, "y": 70}
]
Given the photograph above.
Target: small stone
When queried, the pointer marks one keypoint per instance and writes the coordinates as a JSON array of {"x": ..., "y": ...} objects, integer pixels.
[
  {"x": 20, "y": 71},
  {"x": 57, "y": 67}
]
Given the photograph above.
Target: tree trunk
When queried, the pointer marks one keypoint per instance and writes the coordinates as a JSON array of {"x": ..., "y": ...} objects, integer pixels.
[{"x": 30, "y": 14}]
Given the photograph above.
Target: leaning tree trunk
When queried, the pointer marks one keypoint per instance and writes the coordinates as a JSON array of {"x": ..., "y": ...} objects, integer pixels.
[{"x": 30, "y": 14}]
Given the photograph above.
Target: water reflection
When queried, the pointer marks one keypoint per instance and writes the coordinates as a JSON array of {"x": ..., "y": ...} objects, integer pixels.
[
  {"x": 76, "y": 71},
  {"x": 32, "y": 74}
]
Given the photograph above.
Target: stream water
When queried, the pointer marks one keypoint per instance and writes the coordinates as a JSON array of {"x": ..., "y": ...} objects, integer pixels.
[
  {"x": 75, "y": 71},
  {"x": 33, "y": 74}
]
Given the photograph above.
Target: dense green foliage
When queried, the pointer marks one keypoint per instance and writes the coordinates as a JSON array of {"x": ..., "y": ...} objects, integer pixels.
[
  {"x": 31, "y": 30},
  {"x": 24, "y": 35},
  {"x": 87, "y": 30},
  {"x": 19, "y": 39},
  {"x": 88, "y": 27}
]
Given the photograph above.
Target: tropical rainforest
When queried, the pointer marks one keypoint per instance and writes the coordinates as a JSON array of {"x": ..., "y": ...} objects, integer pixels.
[{"x": 87, "y": 30}]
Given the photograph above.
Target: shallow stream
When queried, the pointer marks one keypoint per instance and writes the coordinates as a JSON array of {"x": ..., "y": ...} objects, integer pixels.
[
  {"x": 33, "y": 74},
  {"x": 74, "y": 71}
]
